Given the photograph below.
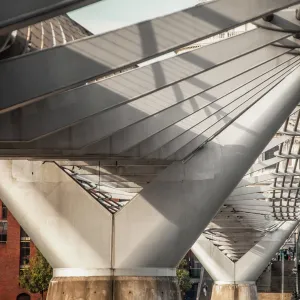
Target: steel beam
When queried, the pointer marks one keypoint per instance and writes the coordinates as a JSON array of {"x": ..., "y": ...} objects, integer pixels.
[
  {"x": 152, "y": 144},
  {"x": 276, "y": 141},
  {"x": 253, "y": 202},
  {"x": 251, "y": 265},
  {"x": 113, "y": 182},
  {"x": 284, "y": 21},
  {"x": 214, "y": 261},
  {"x": 106, "y": 99},
  {"x": 111, "y": 163},
  {"x": 248, "y": 197},
  {"x": 251, "y": 190},
  {"x": 218, "y": 119},
  {"x": 256, "y": 179},
  {"x": 229, "y": 239},
  {"x": 234, "y": 248},
  {"x": 242, "y": 243},
  {"x": 186, "y": 115},
  {"x": 242, "y": 233},
  {"x": 80, "y": 135},
  {"x": 263, "y": 164},
  {"x": 95, "y": 57},
  {"x": 120, "y": 170}
]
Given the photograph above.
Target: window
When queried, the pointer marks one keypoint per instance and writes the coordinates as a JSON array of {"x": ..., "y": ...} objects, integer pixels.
[
  {"x": 23, "y": 296},
  {"x": 3, "y": 231},
  {"x": 24, "y": 235},
  {"x": 24, "y": 249},
  {"x": 270, "y": 154},
  {"x": 24, "y": 254},
  {"x": 4, "y": 212}
]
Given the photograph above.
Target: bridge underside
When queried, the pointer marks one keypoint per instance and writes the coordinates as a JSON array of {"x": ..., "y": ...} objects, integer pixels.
[{"x": 141, "y": 143}]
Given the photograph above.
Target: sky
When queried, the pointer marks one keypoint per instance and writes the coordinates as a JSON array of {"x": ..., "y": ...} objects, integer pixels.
[{"x": 108, "y": 15}]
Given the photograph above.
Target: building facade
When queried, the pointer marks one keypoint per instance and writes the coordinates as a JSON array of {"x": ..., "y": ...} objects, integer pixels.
[{"x": 16, "y": 248}]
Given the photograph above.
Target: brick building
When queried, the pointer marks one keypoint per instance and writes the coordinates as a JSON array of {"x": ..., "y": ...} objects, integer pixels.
[{"x": 15, "y": 251}]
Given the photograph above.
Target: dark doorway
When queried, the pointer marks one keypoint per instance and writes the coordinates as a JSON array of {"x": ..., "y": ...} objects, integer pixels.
[{"x": 23, "y": 297}]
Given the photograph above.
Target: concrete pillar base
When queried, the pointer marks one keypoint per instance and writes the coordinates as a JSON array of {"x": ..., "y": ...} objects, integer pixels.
[
  {"x": 146, "y": 288},
  {"x": 83, "y": 288},
  {"x": 119, "y": 288},
  {"x": 234, "y": 292},
  {"x": 275, "y": 296}
]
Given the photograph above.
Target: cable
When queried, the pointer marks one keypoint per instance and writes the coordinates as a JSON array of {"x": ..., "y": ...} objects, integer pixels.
[{"x": 229, "y": 123}]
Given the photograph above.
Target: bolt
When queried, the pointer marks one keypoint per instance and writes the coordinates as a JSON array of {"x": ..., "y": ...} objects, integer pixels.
[
  {"x": 298, "y": 14},
  {"x": 268, "y": 18}
]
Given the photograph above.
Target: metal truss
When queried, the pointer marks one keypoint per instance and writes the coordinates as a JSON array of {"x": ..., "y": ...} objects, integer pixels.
[
  {"x": 112, "y": 205},
  {"x": 268, "y": 195},
  {"x": 113, "y": 183}
]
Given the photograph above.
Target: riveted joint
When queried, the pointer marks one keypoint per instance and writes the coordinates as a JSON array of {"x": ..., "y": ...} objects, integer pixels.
[
  {"x": 269, "y": 18},
  {"x": 297, "y": 14},
  {"x": 297, "y": 35}
]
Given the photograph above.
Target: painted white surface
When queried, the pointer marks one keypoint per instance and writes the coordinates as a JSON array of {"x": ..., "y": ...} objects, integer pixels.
[
  {"x": 173, "y": 210},
  {"x": 152, "y": 272},
  {"x": 218, "y": 266},
  {"x": 251, "y": 265},
  {"x": 75, "y": 272},
  {"x": 69, "y": 227}
]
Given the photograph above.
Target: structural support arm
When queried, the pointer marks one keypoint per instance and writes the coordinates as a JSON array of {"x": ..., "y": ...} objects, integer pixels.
[
  {"x": 237, "y": 280},
  {"x": 218, "y": 266},
  {"x": 172, "y": 211},
  {"x": 252, "y": 264},
  {"x": 71, "y": 228},
  {"x": 249, "y": 267}
]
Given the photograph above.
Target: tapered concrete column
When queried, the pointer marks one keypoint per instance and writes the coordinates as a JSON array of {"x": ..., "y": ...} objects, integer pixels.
[
  {"x": 242, "y": 291},
  {"x": 222, "y": 271},
  {"x": 104, "y": 288},
  {"x": 251, "y": 265},
  {"x": 236, "y": 281},
  {"x": 82, "y": 287},
  {"x": 72, "y": 230},
  {"x": 160, "y": 224}
]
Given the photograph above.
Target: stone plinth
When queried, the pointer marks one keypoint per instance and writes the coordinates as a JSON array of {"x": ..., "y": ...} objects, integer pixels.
[
  {"x": 119, "y": 288},
  {"x": 234, "y": 292}
]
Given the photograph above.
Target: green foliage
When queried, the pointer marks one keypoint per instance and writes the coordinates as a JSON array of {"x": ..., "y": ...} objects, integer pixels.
[
  {"x": 37, "y": 277},
  {"x": 183, "y": 276}
]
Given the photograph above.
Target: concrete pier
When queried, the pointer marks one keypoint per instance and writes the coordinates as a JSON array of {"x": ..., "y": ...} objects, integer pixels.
[
  {"x": 147, "y": 288},
  {"x": 242, "y": 291},
  {"x": 87, "y": 288},
  {"x": 274, "y": 296},
  {"x": 117, "y": 288}
]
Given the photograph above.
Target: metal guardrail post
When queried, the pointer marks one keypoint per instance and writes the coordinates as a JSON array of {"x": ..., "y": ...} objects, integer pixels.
[
  {"x": 200, "y": 284},
  {"x": 282, "y": 275}
]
